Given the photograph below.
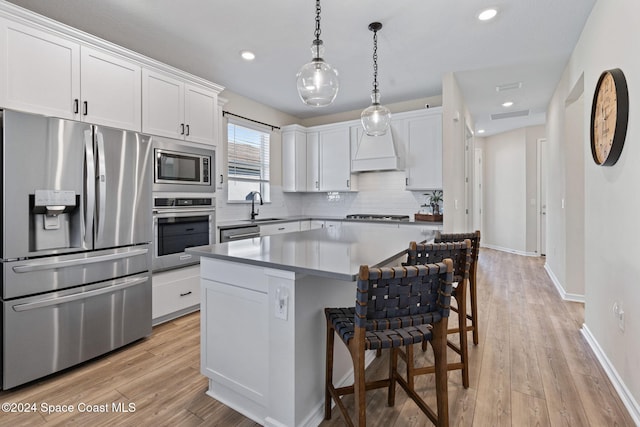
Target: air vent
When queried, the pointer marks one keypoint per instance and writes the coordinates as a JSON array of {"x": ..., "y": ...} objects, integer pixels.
[
  {"x": 508, "y": 86},
  {"x": 509, "y": 115}
]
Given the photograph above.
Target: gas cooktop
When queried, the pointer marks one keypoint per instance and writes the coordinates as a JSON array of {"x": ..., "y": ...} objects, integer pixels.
[{"x": 379, "y": 217}]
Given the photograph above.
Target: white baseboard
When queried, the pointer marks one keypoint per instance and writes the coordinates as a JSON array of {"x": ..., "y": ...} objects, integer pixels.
[
  {"x": 511, "y": 251},
  {"x": 563, "y": 294},
  {"x": 624, "y": 393}
]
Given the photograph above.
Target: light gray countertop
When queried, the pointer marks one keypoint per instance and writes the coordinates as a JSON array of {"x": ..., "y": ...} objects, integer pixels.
[
  {"x": 328, "y": 252},
  {"x": 223, "y": 225}
]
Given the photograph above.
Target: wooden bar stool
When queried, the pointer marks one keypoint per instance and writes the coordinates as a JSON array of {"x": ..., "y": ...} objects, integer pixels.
[
  {"x": 460, "y": 254},
  {"x": 472, "y": 314},
  {"x": 395, "y": 307}
]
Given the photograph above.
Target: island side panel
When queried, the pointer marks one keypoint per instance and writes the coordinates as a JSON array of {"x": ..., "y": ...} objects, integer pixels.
[{"x": 234, "y": 335}]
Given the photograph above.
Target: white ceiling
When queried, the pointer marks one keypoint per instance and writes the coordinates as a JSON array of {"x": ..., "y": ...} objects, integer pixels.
[{"x": 530, "y": 42}]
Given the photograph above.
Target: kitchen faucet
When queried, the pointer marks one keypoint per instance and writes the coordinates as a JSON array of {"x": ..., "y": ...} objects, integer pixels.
[{"x": 252, "y": 196}]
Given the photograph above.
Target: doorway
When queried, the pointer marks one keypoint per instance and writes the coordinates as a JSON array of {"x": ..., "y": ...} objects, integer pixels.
[
  {"x": 542, "y": 196},
  {"x": 477, "y": 189}
]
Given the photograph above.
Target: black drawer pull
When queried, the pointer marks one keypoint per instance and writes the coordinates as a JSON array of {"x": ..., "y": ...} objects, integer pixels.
[{"x": 186, "y": 293}]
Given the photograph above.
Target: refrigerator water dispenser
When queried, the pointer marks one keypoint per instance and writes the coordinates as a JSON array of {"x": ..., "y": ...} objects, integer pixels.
[{"x": 54, "y": 219}]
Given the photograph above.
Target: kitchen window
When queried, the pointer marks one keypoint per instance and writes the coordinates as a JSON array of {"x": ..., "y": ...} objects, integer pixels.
[{"x": 248, "y": 160}]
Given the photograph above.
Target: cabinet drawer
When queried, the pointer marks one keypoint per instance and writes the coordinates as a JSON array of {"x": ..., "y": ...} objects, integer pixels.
[
  {"x": 287, "y": 227},
  {"x": 175, "y": 290}
]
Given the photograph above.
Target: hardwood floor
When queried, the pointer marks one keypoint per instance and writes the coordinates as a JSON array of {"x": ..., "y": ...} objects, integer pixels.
[{"x": 531, "y": 367}]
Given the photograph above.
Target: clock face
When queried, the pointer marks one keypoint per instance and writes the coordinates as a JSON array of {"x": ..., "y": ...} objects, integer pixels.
[
  {"x": 609, "y": 115},
  {"x": 604, "y": 124}
]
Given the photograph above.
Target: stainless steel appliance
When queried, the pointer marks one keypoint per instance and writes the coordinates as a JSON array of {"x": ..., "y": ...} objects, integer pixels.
[
  {"x": 76, "y": 228},
  {"x": 181, "y": 221},
  {"x": 182, "y": 167},
  {"x": 248, "y": 231}
]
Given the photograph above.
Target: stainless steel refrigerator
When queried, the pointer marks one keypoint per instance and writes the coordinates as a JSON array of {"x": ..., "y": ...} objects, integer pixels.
[{"x": 76, "y": 228}]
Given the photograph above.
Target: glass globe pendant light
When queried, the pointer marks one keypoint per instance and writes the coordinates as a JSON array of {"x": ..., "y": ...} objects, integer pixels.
[
  {"x": 317, "y": 81},
  {"x": 375, "y": 118}
]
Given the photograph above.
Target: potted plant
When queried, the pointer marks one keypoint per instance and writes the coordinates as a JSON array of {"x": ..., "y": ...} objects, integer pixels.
[{"x": 435, "y": 197}]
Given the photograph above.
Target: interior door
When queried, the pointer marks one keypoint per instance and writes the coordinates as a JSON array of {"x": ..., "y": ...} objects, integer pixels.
[{"x": 123, "y": 188}]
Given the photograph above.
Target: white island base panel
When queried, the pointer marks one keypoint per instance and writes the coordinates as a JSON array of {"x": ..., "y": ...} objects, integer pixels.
[{"x": 265, "y": 362}]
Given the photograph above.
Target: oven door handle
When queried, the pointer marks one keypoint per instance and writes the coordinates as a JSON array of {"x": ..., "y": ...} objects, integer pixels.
[
  {"x": 182, "y": 212},
  {"x": 115, "y": 287},
  {"x": 50, "y": 265}
]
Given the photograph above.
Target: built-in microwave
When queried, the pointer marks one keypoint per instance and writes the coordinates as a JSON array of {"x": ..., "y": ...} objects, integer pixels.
[{"x": 181, "y": 167}]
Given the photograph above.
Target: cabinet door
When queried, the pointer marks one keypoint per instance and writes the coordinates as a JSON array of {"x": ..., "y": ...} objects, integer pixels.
[
  {"x": 335, "y": 160},
  {"x": 162, "y": 105},
  {"x": 313, "y": 162},
  {"x": 200, "y": 108},
  {"x": 294, "y": 161},
  {"x": 111, "y": 90},
  {"x": 39, "y": 72},
  {"x": 424, "y": 152}
]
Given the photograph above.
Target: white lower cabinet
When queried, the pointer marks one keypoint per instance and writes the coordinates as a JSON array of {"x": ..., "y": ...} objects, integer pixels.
[
  {"x": 279, "y": 228},
  {"x": 175, "y": 292}
]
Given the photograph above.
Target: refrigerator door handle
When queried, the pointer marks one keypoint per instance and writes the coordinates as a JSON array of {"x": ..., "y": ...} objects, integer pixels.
[
  {"x": 90, "y": 191},
  {"x": 102, "y": 187},
  {"x": 116, "y": 286},
  {"x": 50, "y": 265}
]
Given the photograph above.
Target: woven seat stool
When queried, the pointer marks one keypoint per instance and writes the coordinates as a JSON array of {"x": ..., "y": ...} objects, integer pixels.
[
  {"x": 460, "y": 254},
  {"x": 395, "y": 307},
  {"x": 472, "y": 314}
]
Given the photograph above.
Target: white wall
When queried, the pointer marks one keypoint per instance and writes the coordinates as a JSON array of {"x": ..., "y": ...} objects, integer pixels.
[
  {"x": 454, "y": 116},
  {"x": 282, "y": 204},
  {"x": 510, "y": 190},
  {"x": 505, "y": 179},
  {"x": 612, "y": 270}
]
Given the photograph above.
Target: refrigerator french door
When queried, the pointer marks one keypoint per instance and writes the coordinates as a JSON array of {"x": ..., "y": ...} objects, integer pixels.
[{"x": 76, "y": 228}]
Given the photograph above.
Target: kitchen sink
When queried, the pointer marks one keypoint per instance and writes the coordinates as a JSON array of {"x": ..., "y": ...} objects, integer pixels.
[{"x": 266, "y": 219}]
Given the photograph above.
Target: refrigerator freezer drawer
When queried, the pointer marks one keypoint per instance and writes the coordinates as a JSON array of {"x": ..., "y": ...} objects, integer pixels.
[
  {"x": 50, "y": 332},
  {"x": 28, "y": 277}
]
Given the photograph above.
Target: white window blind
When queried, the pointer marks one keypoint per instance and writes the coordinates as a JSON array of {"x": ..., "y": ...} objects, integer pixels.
[{"x": 248, "y": 160}]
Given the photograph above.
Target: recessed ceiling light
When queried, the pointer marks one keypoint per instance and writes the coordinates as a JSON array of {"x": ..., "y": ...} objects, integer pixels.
[
  {"x": 487, "y": 14},
  {"x": 247, "y": 55},
  {"x": 507, "y": 104},
  {"x": 480, "y": 130}
]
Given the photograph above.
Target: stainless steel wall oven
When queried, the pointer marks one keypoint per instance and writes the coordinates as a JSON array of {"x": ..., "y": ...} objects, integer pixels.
[{"x": 181, "y": 221}]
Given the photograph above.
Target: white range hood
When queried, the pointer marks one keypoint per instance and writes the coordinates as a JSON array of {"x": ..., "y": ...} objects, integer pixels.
[{"x": 375, "y": 153}]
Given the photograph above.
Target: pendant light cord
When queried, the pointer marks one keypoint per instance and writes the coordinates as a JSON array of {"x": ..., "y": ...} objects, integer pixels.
[
  {"x": 375, "y": 60},
  {"x": 317, "y": 32}
]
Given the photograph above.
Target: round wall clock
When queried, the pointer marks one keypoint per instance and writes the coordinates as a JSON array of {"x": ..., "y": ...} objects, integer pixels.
[{"x": 609, "y": 116}]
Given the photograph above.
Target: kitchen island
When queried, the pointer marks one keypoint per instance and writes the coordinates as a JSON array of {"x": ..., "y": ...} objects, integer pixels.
[{"x": 262, "y": 320}]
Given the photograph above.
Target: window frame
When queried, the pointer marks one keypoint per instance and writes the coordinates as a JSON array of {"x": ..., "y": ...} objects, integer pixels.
[{"x": 264, "y": 183}]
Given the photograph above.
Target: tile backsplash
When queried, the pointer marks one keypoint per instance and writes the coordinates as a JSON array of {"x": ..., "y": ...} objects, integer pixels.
[{"x": 378, "y": 193}]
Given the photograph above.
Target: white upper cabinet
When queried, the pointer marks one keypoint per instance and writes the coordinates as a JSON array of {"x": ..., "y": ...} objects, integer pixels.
[
  {"x": 39, "y": 72},
  {"x": 335, "y": 159},
  {"x": 44, "y": 73},
  {"x": 423, "y": 139},
  {"x": 111, "y": 90},
  {"x": 294, "y": 159},
  {"x": 316, "y": 159},
  {"x": 176, "y": 109},
  {"x": 313, "y": 161},
  {"x": 199, "y": 112}
]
